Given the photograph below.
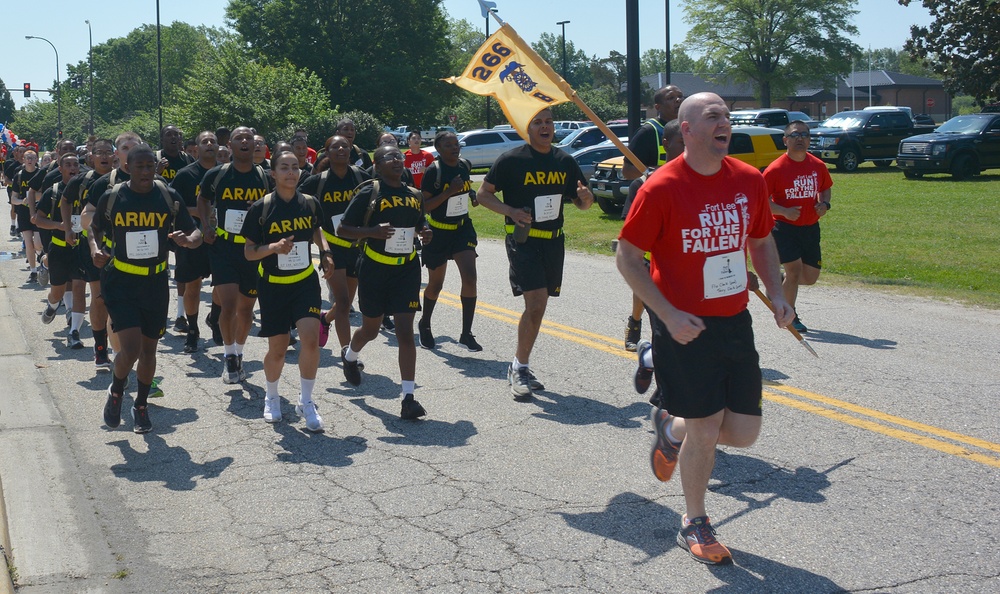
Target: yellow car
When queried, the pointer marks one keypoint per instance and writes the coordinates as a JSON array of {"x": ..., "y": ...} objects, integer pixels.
[{"x": 751, "y": 144}]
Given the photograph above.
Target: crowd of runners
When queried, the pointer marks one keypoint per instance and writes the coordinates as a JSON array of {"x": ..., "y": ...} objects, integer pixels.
[{"x": 270, "y": 224}]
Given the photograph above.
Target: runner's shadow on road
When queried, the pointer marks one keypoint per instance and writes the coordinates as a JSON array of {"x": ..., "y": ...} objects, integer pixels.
[
  {"x": 627, "y": 519},
  {"x": 424, "y": 432},
  {"x": 758, "y": 483},
  {"x": 753, "y": 573},
  {"x": 824, "y": 336},
  {"x": 171, "y": 465},
  {"x": 315, "y": 448},
  {"x": 470, "y": 367},
  {"x": 577, "y": 410},
  {"x": 245, "y": 401}
]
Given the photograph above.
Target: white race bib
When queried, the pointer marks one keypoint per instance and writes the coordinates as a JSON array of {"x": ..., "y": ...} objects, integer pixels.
[
  {"x": 142, "y": 245},
  {"x": 297, "y": 259},
  {"x": 335, "y": 219},
  {"x": 725, "y": 274},
  {"x": 401, "y": 241},
  {"x": 234, "y": 221},
  {"x": 458, "y": 205},
  {"x": 547, "y": 207},
  {"x": 75, "y": 223}
]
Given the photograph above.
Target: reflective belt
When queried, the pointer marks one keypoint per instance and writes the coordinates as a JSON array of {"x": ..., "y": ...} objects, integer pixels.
[
  {"x": 284, "y": 280},
  {"x": 445, "y": 226},
  {"x": 229, "y": 236},
  {"x": 537, "y": 232},
  {"x": 390, "y": 260},
  {"x": 334, "y": 240},
  {"x": 58, "y": 242},
  {"x": 139, "y": 270}
]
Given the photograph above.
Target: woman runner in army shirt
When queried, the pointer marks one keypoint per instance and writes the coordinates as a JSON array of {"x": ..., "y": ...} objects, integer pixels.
[
  {"x": 278, "y": 230},
  {"x": 389, "y": 270}
]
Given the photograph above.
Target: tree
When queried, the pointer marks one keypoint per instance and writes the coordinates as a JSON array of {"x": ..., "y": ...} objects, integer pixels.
[
  {"x": 549, "y": 47},
  {"x": 233, "y": 89},
  {"x": 6, "y": 104},
  {"x": 887, "y": 58},
  {"x": 379, "y": 56},
  {"x": 654, "y": 61},
  {"x": 961, "y": 44},
  {"x": 774, "y": 44}
]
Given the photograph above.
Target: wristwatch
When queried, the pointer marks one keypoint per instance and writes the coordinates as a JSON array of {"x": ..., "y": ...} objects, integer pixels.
[{"x": 828, "y": 207}]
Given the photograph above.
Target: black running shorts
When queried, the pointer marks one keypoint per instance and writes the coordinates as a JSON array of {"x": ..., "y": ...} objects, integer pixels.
[
  {"x": 62, "y": 265},
  {"x": 718, "y": 370},
  {"x": 798, "y": 242},
  {"x": 536, "y": 264},
  {"x": 388, "y": 289},
  {"x": 231, "y": 267},
  {"x": 192, "y": 264},
  {"x": 136, "y": 301},
  {"x": 446, "y": 243},
  {"x": 281, "y": 306}
]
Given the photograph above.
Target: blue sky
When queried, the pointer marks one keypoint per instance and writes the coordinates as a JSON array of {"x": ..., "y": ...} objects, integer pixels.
[{"x": 596, "y": 27}]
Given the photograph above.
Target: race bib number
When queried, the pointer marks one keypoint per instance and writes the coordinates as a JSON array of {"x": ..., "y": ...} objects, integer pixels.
[
  {"x": 142, "y": 245},
  {"x": 401, "y": 241},
  {"x": 335, "y": 219},
  {"x": 725, "y": 274},
  {"x": 297, "y": 259},
  {"x": 75, "y": 223},
  {"x": 234, "y": 221},
  {"x": 547, "y": 207},
  {"x": 458, "y": 205}
]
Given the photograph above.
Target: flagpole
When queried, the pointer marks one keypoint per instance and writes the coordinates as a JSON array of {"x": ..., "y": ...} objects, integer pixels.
[{"x": 568, "y": 90}]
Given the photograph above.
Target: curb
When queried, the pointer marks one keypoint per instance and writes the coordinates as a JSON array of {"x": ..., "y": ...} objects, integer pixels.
[{"x": 6, "y": 583}]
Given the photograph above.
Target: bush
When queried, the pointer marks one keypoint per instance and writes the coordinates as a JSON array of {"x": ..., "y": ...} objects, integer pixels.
[{"x": 368, "y": 128}]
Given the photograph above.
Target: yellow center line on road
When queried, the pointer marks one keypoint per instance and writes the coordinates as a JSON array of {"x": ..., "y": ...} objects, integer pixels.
[{"x": 614, "y": 346}]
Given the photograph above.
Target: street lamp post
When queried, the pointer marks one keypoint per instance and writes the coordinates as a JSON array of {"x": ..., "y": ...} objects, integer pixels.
[
  {"x": 58, "y": 94},
  {"x": 90, "y": 63},
  {"x": 563, "y": 23}
]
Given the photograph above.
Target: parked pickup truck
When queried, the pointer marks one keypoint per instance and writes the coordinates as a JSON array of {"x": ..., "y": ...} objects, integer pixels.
[
  {"x": 964, "y": 146},
  {"x": 850, "y": 138},
  {"x": 426, "y": 135}
]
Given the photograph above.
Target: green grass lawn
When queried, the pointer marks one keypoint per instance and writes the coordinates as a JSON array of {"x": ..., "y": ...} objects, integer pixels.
[{"x": 931, "y": 236}]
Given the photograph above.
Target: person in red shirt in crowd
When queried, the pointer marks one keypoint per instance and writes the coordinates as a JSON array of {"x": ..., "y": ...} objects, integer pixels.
[
  {"x": 800, "y": 185},
  {"x": 699, "y": 215},
  {"x": 417, "y": 159}
]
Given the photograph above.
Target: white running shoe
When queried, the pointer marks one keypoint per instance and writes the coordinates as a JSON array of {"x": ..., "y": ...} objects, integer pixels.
[
  {"x": 272, "y": 409},
  {"x": 314, "y": 422}
]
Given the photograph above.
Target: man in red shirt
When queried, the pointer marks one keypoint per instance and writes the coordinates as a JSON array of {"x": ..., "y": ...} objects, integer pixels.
[
  {"x": 799, "y": 185},
  {"x": 699, "y": 215},
  {"x": 417, "y": 159}
]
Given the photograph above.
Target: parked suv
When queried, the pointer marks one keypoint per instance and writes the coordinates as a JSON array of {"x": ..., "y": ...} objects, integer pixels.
[
  {"x": 756, "y": 146},
  {"x": 482, "y": 147},
  {"x": 853, "y": 137},
  {"x": 589, "y": 136},
  {"x": 767, "y": 118},
  {"x": 963, "y": 146}
]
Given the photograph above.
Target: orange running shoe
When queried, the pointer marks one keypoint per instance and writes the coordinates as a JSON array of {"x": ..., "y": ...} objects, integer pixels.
[
  {"x": 663, "y": 457},
  {"x": 698, "y": 538}
]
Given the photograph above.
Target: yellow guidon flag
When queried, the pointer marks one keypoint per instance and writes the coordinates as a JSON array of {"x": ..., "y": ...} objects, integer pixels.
[{"x": 506, "y": 68}]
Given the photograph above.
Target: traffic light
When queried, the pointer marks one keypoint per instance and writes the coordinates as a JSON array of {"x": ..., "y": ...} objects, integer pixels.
[{"x": 27, "y": 89}]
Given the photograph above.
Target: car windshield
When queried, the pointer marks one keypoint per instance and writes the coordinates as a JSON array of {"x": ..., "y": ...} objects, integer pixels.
[
  {"x": 963, "y": 125},
  {"x": 843, "y": 121},
  {"x": 743, "y": 118}
]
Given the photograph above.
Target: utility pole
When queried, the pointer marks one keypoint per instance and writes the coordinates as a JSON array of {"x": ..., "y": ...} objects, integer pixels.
[{"x": 563, "y": 23}]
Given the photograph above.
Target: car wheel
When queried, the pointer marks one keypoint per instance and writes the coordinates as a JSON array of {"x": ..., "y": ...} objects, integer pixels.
[
  {"x": 912, "y": 174},
  {"x": 963, "y": 168},
  {"x": 883, "y": 164},
  {"x": 849, "y": 161},
  {"x": 609, "y": 207}
]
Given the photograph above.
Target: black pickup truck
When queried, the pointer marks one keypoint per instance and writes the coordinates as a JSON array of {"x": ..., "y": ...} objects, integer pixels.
[
  {"x": 852, "y": 137},
  {"x": 964, "y": 146}
]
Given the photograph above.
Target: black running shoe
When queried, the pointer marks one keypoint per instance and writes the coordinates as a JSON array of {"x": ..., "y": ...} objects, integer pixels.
[
  {"x": 73, "y": 340},
  {"x": 426, "y": 336},
  {"x": 231, "y": 370},
  {"x": 798, "y": 325},
  {"x": 352, "y": 373},
  {"x": 216, "y": 330},
  {"x": 387, "y": 324},
  {"x": 643, "y": 375},
  {"x": 520, "y": 383},
  {"x": 191, "y": 342},
  {"x": 33, "y": 277},
  {"x": 411, "y": 409},
  {"x": 292, "y": 341},
  {"x": 181, "y": 325},
  {"x": 140, "y": 419},
  {"x": 113, "y": 410},
  {"x": 633, "y": 331},
  {"x": 469, "y": 341},
  {"x": 101, "y": 359}
]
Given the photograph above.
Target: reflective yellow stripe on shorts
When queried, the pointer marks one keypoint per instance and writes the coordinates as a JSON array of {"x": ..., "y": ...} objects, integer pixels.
[
  {"x": 284, "y": 280},
  {"x": 138, "y": 270},
  {"x": 334, "y": 240},
  {"x": 537, "y": 232},
  {"x": 445, "y": 226},
  {"x": 58, "y": 242},
  {"x": 220, "y": 232},
  {"x": 390, "y": 260}
]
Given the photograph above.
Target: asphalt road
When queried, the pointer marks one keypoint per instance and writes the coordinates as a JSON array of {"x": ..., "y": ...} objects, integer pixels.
[{"x": 877, "y": 469}]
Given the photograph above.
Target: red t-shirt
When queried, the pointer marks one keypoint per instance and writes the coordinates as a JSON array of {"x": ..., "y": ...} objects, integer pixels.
[
  {"x": 310, "y": 155},
  {"x": 695, "y": 228},
  {"x": 797, "y": 183},
  {"x": 417, "y": 163}
]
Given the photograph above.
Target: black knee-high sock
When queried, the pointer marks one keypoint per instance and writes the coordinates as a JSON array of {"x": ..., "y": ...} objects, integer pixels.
[
  {"x": 468, "y": 312},
  {"x": 141, "y": 394},
  {"x": 118, "y": 384},
  {"x": 192, "y": 323},
  {"x": 425, "y": 316},
  {"x": 100, "y": 339},
  {"x": 214, "y": 313}
]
